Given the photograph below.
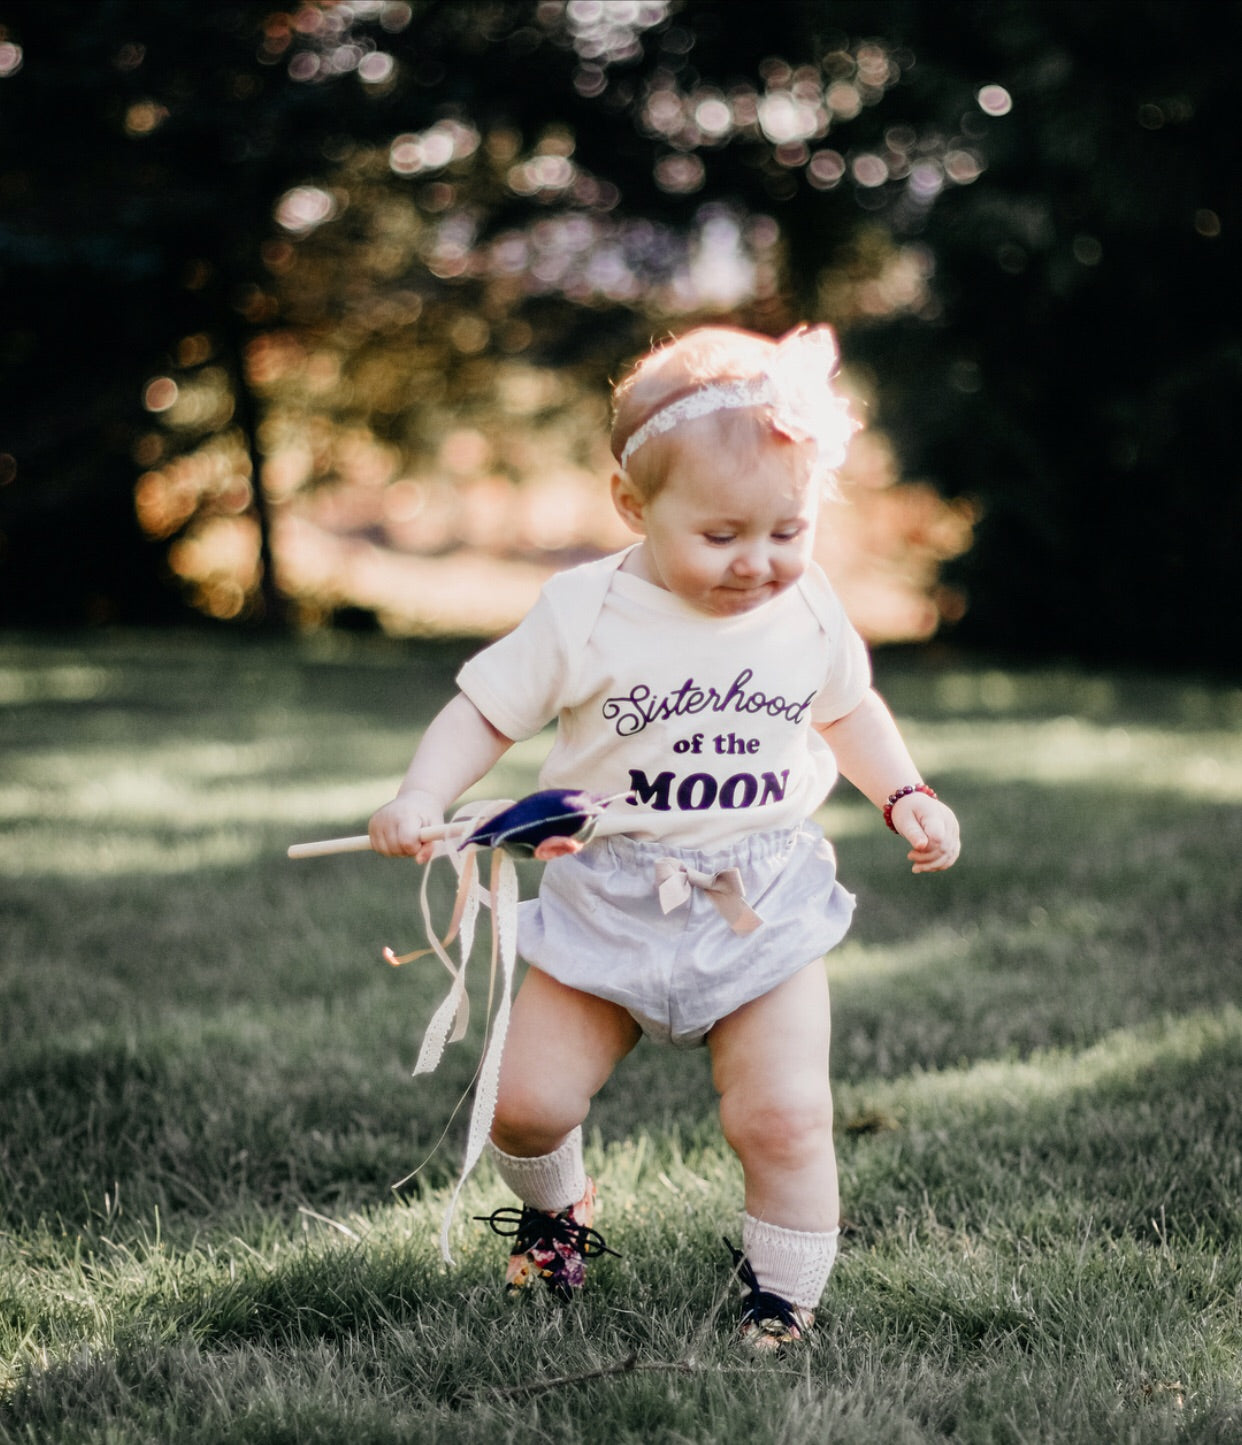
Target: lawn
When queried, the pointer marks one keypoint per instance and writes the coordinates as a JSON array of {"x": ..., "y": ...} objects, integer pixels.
[{"x": 205, "y": 1091}]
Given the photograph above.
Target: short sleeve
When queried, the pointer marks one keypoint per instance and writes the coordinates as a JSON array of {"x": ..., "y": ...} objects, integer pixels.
[
  {"x": 848, "y": 679},
  {"x": 518, "y": 681},
  {"x": 849, "y": 664}
]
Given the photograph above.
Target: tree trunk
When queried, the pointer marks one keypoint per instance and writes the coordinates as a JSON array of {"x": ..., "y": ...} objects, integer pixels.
[{"x": 272, "y": 607}]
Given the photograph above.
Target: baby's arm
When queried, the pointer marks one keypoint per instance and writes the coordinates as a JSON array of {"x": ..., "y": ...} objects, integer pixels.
[
  {"x": 457, "y": 749},
  {"x": 871, "y": 753}
]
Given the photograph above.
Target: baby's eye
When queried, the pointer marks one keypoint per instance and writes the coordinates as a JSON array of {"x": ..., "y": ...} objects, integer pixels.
[
  {"x": 788, "y": 534},
  {"x": 718, "y": 539}
]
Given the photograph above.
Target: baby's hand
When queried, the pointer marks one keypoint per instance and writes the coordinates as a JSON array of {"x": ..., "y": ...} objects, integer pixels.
[
  {"x": 396, "y": 828},
  {"x": 931, "y": 829}
]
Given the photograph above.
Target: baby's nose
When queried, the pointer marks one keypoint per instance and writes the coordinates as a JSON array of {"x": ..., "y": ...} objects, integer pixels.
[{"x": 749, "y": 562}]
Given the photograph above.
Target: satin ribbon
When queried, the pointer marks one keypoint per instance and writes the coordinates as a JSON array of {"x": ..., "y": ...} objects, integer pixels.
[{"x": 675, "y": 880}]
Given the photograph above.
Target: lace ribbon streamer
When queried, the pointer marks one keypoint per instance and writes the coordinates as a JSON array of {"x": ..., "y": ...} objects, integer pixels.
[
  {"x": 504, "y": 893},
  {"x": 674, "y": 882},
  {"x": 449, "y": 1022}
]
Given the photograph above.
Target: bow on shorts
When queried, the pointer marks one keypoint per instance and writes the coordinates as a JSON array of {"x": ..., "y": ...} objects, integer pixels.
[{"x": 675, "y": 880}]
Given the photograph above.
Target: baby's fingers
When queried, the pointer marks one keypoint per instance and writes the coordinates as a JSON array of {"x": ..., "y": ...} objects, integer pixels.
[
  {"x": 932, "y": 859},
  {"x": 935, "y": 839},
  {"x": 397, "y": 832}
]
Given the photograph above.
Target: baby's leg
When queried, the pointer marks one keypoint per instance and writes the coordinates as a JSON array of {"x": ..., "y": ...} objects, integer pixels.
[
  {"x": 770, "y": 1066},
  {"x": 561, "y": 1048}
]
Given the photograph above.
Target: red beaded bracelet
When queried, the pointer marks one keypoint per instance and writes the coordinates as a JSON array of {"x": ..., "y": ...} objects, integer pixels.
[{"x": 904, "y": 793}]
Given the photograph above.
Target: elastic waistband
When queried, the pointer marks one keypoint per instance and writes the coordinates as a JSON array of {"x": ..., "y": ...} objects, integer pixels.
[{"x": 753, "y": 848}]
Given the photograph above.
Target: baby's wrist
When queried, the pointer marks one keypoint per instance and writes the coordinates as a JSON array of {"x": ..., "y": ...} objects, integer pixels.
[
  {"x": 421, "y": 797},
  {"x": 894, "y": 798}
]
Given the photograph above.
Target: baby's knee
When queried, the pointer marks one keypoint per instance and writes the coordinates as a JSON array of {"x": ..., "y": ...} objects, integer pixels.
[
  {"x": 532, "y": 1120},
  {"x": 782, "y": 1127}
]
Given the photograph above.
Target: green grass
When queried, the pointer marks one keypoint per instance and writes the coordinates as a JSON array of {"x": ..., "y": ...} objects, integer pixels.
[{"x": 205, "y": 1091}]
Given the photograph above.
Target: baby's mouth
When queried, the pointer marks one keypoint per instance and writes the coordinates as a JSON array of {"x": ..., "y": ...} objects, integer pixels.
[{"x": 749, "y": 595}]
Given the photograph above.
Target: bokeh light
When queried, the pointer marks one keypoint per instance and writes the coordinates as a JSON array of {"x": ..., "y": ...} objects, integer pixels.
[
  {"x": 160, "y": 394},
  {"x": 376, "y": 68},
  {"x": 304, "y": 208},
  {"x": 607, "y": 32},
  {"x": 794, "y": 110},
  {"x": 144, "y": 117},
  {"x": 995, "y": 100},
  {"x": 407, "y": 459},
  {"x": 412, "y": 153},
  {"x": 1087, "y": 250},
  {"x": 679, "y": 174},
  {"x": 826, "y": 169},
  {"x": 963, "y": 166},
  {"x": 869, "y": 170}
]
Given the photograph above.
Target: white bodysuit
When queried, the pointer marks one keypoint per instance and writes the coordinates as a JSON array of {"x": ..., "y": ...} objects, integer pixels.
[
  {"x": 706, "y": 719},
  {"x": 707, "y": 723}
]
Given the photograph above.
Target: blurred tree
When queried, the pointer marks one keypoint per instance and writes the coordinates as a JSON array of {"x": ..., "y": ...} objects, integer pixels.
[
  {"x": 412, "y": 194},
  {"x": 146, "y": 148},
  {"x": 1079, "y": 377},
  {"x": 140, "y": 148}
]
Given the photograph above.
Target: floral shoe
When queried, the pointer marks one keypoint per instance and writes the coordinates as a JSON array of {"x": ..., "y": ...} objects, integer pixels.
[
  {"x": 769, "y": 1321},
  {"x": 552, "y": 1245}
]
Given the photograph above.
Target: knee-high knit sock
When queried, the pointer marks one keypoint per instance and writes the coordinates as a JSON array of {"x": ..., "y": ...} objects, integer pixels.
[
  {"x": 548, "y": 1181},
  {"x": 789, "y": 1262}
]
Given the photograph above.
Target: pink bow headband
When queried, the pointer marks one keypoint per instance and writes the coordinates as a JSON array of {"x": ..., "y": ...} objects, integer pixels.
[{"x": 794, "y": 386}]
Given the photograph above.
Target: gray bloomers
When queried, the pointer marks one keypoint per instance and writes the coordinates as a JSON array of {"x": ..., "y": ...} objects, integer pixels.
[{"x": 597, "y": 925}]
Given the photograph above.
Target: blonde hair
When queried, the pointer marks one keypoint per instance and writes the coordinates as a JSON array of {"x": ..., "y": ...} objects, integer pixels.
[{"x": 784, "y": 388}]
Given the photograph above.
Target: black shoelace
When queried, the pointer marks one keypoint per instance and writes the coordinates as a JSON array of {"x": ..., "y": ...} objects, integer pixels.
[
  {"x": 760, "y": 1304},
  {"x": 531, "y": 1228}
]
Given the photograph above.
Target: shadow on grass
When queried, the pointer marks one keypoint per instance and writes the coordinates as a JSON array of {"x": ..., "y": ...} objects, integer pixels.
[
  {"x": 1136, "y": 1135},
  {"x": 1043, "y": 1039},
  {"x": 233, "y": 1034},
  {"x": 940, "y": 1264}
]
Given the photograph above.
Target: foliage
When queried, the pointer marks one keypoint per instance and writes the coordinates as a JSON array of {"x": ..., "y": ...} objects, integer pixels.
[
  {"x": 147, "y": 150},
  {"x": 204, "y": 1086},
  {"x": 1081, "y": 373},
  {"x": 238, "y": 239}
]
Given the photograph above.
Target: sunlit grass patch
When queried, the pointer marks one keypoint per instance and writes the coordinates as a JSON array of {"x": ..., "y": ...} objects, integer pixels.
[
  {"x": 1049, "y": 727},
  {"x": 205, "y": 1090},
  {"x": 1203, "y": 764}
]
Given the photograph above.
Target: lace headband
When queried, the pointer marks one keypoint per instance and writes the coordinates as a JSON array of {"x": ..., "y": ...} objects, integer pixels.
[{"x": 795, "y": 386}]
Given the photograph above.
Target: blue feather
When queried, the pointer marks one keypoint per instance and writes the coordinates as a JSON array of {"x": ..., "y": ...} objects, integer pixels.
[{"x": 551, "y": 813}]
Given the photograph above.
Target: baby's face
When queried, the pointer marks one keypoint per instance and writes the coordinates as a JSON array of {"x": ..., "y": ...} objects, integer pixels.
[{"x": 727, "y": 533}]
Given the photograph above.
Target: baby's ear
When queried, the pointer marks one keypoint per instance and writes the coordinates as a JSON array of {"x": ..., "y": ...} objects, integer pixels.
[{"x": 629, "y": 503}]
